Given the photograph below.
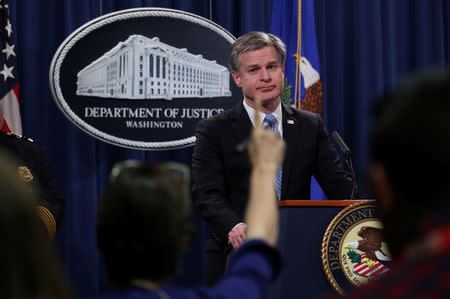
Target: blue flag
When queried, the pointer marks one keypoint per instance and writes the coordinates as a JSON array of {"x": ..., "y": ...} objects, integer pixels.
[{"x": 293, "y": 21}]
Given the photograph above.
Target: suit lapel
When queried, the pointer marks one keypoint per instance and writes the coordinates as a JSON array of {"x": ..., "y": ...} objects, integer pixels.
[
  {"x": 241, "y": 126},
  {"x": 240, "y": 123}
]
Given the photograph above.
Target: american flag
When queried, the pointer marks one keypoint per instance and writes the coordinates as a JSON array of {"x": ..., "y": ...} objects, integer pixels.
[{"x": 9, "y": 87}]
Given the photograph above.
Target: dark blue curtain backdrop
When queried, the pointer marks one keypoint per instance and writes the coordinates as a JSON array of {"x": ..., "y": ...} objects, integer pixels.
[{"x": 365, "y": 47}]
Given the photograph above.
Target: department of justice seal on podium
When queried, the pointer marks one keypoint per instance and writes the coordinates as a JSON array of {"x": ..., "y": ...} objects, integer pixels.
[{"x": 353, "y": 248}]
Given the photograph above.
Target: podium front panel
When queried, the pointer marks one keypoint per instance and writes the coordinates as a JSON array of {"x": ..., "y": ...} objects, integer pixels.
[{"x": 302, "y": 227}]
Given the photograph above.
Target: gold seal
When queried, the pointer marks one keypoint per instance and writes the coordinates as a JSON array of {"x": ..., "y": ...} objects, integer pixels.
[
  {"x": 25, "y": 173},
  {"x": 353, "y": 248}
]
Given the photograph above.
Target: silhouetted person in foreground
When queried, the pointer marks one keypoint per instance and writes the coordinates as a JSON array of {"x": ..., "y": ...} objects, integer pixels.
[
  {"x": 411, "y": 179},
  {"x": 144, "y": 225},
  {"x": 28, "y": 268},
  {"x": 34, "y": 169}
]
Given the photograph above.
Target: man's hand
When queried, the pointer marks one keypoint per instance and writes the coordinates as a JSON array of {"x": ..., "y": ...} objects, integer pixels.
[{"x": 237, "y": 235}]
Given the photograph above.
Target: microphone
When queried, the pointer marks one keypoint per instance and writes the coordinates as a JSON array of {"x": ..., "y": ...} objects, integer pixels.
[
  {"x": 344, "y": 148},
  {"x": 348, "y": 159}
]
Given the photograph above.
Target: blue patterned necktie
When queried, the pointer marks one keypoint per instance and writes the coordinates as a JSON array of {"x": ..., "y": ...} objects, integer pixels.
[{"x": 271, "y": 122}]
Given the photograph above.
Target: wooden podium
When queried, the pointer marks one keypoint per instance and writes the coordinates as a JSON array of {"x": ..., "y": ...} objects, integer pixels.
[{"x": 302, "y": 226}]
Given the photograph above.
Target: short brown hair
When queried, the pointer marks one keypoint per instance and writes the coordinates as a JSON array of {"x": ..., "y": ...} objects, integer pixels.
[{"x": 255, "y": 40}]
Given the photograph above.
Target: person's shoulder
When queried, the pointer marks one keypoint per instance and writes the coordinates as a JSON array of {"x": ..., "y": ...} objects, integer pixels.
[
  {"x": 19, "y": 137},
  {"x": 220, "y": 118},
  {"x": 302, "y": 114},
  {"x": 25, "y": 144}
]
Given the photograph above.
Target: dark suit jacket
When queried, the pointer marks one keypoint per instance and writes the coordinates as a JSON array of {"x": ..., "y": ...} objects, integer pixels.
[
  {"x": 221, "y": 173},
  {"x": 33, "y": 159}
]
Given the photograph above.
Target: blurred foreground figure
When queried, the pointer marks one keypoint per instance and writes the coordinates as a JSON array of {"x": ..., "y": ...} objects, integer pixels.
[
  {"x": 34, "y": 169},
  {"x": 28, "y": 268},
  {"x": 411, "y": 179},
  {"x": 144, "y": 225}
]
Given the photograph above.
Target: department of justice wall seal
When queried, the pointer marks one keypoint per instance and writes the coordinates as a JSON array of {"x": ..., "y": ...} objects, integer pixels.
[
  {"x": 143, "y": 78},
  {"x": 353, "y": 248}
]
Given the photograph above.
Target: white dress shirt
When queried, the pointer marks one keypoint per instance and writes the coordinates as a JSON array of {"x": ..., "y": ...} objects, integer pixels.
[{"x": 277, "y": 114}]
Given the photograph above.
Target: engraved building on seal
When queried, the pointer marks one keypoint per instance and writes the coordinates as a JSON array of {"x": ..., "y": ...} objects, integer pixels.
[{"x": 144, "y": 68}]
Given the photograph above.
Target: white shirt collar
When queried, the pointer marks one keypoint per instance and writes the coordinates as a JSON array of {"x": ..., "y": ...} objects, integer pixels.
[{"x": 277, "y": 113}]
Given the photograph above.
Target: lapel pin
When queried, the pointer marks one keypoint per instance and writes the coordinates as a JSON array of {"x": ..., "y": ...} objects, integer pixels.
[{"x": 290, "y": 121}]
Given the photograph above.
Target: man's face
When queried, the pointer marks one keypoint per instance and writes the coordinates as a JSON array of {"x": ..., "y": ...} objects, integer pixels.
[{"x": 260, "y": 76}]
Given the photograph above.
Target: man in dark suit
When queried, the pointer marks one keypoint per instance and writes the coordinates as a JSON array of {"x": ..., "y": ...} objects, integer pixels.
[
  {"x": 221, "y": 168},
  {"x": 34, "y": 169}
]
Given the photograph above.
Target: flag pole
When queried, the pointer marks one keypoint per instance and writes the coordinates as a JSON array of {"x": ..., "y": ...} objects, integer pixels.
[{"x": 298, "y": 75}]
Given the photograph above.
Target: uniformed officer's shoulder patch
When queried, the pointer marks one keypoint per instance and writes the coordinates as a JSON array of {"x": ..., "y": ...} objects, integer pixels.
[
  {"x": 353, "y": 248},
  {"x": 18, "y": 136},
  {"x": 25, "y": 174}
]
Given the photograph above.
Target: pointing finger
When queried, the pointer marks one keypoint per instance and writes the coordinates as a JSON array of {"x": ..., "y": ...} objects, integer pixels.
[{"x": 258, "y": 123}]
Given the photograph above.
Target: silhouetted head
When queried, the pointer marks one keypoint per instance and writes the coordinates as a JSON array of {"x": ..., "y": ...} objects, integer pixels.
[
  {"x": 411, "y": 155},
  {"x": 144, "y": 221}
]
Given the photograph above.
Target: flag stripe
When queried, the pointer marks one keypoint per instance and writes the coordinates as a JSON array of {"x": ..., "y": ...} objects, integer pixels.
[
  {"x": 9, "y": 89},
  {"x": 5, "y": 127},
  {"x": 11, "y": 112},
  {"x": 16, "y": 91}
]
